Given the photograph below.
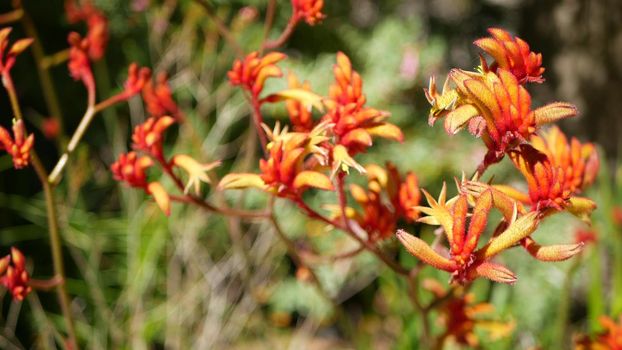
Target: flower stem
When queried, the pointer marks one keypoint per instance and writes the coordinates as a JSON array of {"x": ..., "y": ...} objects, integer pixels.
[{"x": 52, "y": 217}]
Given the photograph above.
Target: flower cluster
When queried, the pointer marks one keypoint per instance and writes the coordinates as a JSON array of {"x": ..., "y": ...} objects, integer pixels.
[
  {"x": 303, "y": 158},
  {"x": 387, "y": 199},
  {"x": 13, "y": 274},
  {"x": 251, "y": 72},
  {"x": 18, "y": 146},
  {"x": 494, "y": 105},
  {"x": 462, "y": 317},
  {"x": 148, "y": 138},
  {"x": 159, "y": 100},
  {"x": 97, "y": 24},
  {"x": 308, "y": 10},
  {"x": 8, "y": 58}
]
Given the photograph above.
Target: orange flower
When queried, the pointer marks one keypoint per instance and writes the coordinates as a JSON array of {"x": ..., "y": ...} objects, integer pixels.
[
  {"x": 378, "y": 216},
  {"x": 579, "y": 162},
  {"x": 283, "y": 172},
  {"x": 354, "y": 124},
  {"x": 15, "y": 278},
  {"x": 348, "y": 86},
  {"x": 159, "y": 98},
  {"x": 148, "y": 136},
  {"x": 7, "y": 59},
  {"x": 462, "y": 316},
  {"x": 463, "y": 232},
  {"x": 251, "y": 72},
  {"x": 79, "y": 63},
  {"x": 309, "y": 10},
  {"x": 19, "y": 148},
  {"x": 300, "y": 115},
  {"x": 556, "y": 169},
  {"x": 609, "y": 339},
  {"x": 130, "y": 169},
  {"x": 513, "y": 55},
  {"x": 500, "y": 108}
]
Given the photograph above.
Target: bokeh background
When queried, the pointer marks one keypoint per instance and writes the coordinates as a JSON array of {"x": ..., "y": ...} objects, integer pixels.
[{"x": 142, "y": 281}]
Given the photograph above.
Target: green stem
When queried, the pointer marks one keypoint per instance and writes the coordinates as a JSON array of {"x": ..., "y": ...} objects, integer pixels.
[{"x": 52, "y": 217}]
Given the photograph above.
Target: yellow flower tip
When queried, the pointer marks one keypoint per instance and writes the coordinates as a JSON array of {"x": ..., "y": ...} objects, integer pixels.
[
  {"x": 312, "y": 179},
  {"x": 552, "y": 253},
  {"x": 161, "y": 197},
  {"x": 17, "y": 258},
  {"x": 424, "y": 252},
  {"x": 4, "y": 264},
  {"x": 197, "y": 172},
  {"x": 495, "y": 272},
  {"x": 342, "y": 161},
  {"x": 241, "y": 181},
  {"x": 519, "y": 229}
]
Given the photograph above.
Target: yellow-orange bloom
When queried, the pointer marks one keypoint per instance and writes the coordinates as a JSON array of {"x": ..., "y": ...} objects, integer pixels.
[
  {"x": 252, "y": 71},
  {"x": 579, "y": 162},
  {"x": 463, "y": 232},
  {"x": 354, "y": 124},
  {"x": 462, "y": 315},
  {"x": 513, "y": 55},
  {"x": 496, "y": 106},
  {"x": 556, "y": 169}
]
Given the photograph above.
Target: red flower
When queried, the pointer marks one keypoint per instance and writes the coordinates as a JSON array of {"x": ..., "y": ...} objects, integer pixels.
[
  {"x": 96, "y": 22},
  {"x": 513, "y": 55},
  {"x": 159, "y": 98},
  {"x": 79, "y": 63},
  {"x": 14, "y": 275},
  {"x": 50, "y": 128},
  {"x": 251, "y": 72},
  {"x": 137, "y": 78},
  {"x": 309, "y": 10},
  {"x": 148, "y": 136},
  {"x": 130, "y": 168},
  {"x": 7, "y": 59},
  {"x": 20, "y": 147},
  {"x": 585, "y": 236}
]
